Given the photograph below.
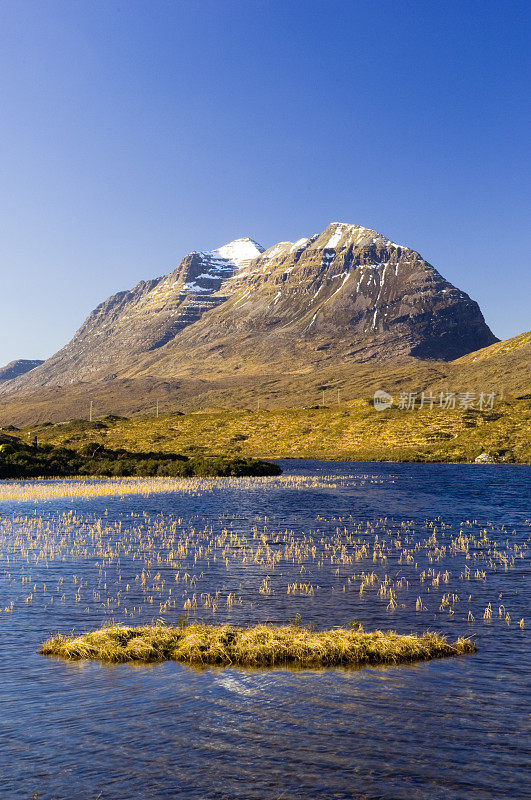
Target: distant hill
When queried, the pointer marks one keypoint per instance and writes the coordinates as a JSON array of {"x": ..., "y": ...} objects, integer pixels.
[
  {"x": 506, "y": 365},
  {"x": 18, "y": 367}
]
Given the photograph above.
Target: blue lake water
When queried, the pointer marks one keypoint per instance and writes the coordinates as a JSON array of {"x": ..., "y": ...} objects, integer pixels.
[{"x": 403, "y": 546}]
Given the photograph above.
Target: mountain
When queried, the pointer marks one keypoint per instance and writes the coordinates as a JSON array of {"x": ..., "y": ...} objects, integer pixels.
[
  {"x": 18, "y": 367},
  {"x": 349, "y": 290},
  {"x": 347, "y": 294},
  {"x": 342, "y": 309}
]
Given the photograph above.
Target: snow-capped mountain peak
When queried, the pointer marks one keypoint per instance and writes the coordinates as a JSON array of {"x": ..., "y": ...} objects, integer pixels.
[
  {"x": 210, "y": 269},
  {"x": 240, "y": 251}
]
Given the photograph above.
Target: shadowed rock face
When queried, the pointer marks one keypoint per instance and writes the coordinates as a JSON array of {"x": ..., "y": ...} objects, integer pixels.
[
  {"x": 18, "y": 367},
  {"x": 347, "y": 293}
]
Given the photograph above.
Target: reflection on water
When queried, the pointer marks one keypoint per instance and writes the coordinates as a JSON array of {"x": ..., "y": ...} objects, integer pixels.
[{"x": 367, "y": 542}]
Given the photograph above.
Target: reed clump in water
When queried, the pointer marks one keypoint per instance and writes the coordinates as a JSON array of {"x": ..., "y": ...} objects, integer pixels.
[{"x": 262, "y": 646}]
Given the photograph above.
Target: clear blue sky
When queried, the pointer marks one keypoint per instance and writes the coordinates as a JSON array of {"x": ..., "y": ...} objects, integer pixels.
[{"x": 134, "y": 132}]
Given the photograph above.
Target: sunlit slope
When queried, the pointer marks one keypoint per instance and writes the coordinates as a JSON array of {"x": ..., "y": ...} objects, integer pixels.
[
  {"x": 504, "y": 364},
  {"x": 503, "y": 368},
  {"x": 353, "y": 430}
]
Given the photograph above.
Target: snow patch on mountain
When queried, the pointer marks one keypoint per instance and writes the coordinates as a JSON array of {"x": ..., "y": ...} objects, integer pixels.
[
  {"x": 299, "y": 244},
  {"x": 240, "y": 251},
  {"x": 222, "y": 263},
  {"x": 334, "y": 239},
  {"x": 276, "y": 250},
  {"x": 192, "y": 286}
]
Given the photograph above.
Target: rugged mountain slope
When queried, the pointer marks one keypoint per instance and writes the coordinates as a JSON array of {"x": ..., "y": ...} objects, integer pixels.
[
  {"x": 144, "y": 318},
  {"x": 18, "y": 367},
  {"x": 344, "y": 296},
  {"x": 503, "y": 371},
  {"x": 348, "y": 293}
]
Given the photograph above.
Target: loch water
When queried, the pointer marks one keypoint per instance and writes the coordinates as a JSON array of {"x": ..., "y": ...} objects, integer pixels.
[{"x": 407, "y": 547}]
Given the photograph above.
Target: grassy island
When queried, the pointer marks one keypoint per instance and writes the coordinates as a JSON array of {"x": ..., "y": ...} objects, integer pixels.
[
  {"x": 262, "y": 646},
  {"x": 19, "y": 460}
]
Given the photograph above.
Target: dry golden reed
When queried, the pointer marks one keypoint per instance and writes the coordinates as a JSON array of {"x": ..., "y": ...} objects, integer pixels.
[
  {"x": 261, "y": 646},
  {"x": 49, "y": 489}
]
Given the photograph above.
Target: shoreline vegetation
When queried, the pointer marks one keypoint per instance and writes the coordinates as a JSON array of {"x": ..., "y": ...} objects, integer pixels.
[
  {"x": 85, "y": 487},
  {"x": 21, "y": 461},
  {"x": 262, "y": 646},
  {"x": 346, "y": 431}
]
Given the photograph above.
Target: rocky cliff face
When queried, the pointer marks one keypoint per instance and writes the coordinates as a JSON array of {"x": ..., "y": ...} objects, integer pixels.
[
  {"x": 350, "y": 286},
  {"x": 347, "y": 293}
]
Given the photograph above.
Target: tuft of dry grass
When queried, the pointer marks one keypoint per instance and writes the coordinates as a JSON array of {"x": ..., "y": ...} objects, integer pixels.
[{"x": 261, "y": 646}]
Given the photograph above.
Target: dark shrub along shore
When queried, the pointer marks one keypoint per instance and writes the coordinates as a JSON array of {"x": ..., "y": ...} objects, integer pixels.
[{"x": 20, "y": 460}]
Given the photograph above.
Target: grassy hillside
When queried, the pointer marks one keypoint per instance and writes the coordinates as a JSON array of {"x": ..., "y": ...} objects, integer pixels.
[
  {"x": 350, "y": 431},
  {"x": 296, "y": 413},
  {"x": 504, "y": 368}
]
